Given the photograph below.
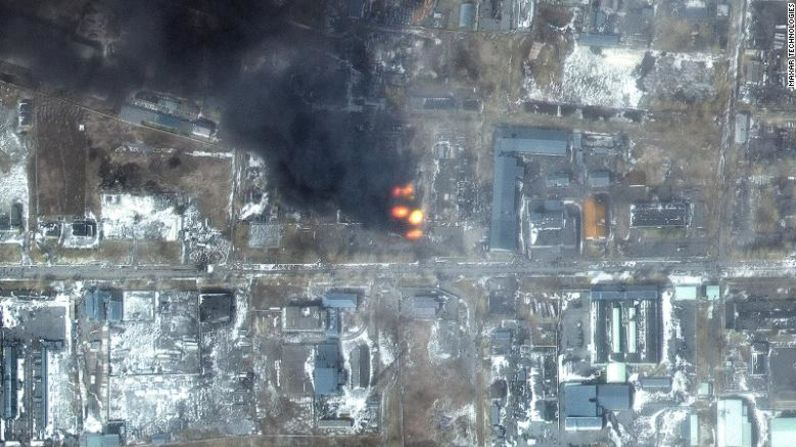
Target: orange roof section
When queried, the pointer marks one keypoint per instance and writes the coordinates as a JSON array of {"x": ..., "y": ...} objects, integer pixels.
[{"x": 594, "y": 223}]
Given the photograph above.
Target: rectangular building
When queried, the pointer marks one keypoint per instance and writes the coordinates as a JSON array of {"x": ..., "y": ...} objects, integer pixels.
[
  {"x": 628, "y": 325},
  {"x": 660, "y": 215},
  {"x": 509, "y": 142},
  {"x": 734, "y": 427}
]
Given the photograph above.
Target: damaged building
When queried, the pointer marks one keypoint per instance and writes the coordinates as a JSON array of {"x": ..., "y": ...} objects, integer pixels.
[{"x": 509, "y": 144}]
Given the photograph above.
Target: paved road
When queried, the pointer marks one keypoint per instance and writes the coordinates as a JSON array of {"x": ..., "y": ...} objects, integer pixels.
[{"x": 166, "y": 272}]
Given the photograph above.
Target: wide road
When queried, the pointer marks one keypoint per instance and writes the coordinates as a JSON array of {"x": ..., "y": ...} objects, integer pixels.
[{"x": 580, "y": 268}]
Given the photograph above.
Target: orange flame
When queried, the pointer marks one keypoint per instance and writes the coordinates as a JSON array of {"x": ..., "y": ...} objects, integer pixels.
[
  {"x": 399, "y": 212},
  {"x": 415, "y": 217},
  {"x": 414, "y": 234},
  {"x": 407, "y": 191}
]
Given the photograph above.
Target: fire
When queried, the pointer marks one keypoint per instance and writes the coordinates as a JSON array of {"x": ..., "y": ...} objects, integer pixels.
[
  {"x": 415, "y": 217},
  {"x": 399, "y": 212},
  {"x": 414, "y": 234},
  {"x": 406, "y": 192},
  {"x": 408, "y": 217}
]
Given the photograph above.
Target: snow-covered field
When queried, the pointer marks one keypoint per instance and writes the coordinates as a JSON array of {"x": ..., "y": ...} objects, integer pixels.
[
  {"x": 62, "y": 416},
  {"x": 607, "y": 79},
  {"x": 128, "y": 216},
  {"x": 14, "y": 175}
]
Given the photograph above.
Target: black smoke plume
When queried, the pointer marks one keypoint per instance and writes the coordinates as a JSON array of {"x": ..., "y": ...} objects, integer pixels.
[{"x": 283, "y": 86}]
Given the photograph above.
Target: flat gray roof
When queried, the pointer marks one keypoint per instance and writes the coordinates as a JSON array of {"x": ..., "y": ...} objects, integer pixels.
[
  {"x": 510, "y": 141},
  {"x": 599, "y": 40},
  {"x": 531, "y": 141},
  {"x": 503, "y": 232}
]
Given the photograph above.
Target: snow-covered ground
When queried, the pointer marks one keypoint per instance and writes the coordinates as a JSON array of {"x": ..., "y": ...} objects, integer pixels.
[
  {"x": 524, "y": 10},
  {"x": 62, "y": 410},
  {"x": 604, "y": 79},
  {"x": 14, "y": 174},
  {"x": 671, "y": 324},
  {"x": 139, "y": 305},
  {"x": 128, "y": 216}
]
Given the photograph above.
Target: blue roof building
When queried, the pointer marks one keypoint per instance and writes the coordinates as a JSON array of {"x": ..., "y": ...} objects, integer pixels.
[
  {"x": 599, "y": 40},
  {"x": 114, "y": 309},
  {"x": 328, "y": 374},
  {"x": 531, "y": 141},
  {"x": 509, "y": 142},
  {"x": 100, "y": 440},
  {"x": 467, "y": 16},
  {"x": 503, "y": 232},
  {"x": 9, "y": 382},
  {"x": 340, "y": 300},
  {"x": 104, "y": 305},
  {"x": 95, "y": 304}
]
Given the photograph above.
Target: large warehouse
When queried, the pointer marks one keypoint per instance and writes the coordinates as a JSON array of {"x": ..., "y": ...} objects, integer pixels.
[{"x": 627, "y": 324}]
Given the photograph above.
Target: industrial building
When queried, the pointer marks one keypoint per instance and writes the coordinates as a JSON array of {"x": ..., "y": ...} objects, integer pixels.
[
  {"x": 628, "y": 326},
  {"x": 168, "y": 113},
  {"x": 733, "y": 423},
  {"x": 781, "y": 378},
  {"x": 600, "y": 178},
  {"x": 761, "y": 314},
  {"x": 660, "y": 215},
  {"x": 662, "y": 384},
  {"x": 783, "y": 431},
  {"x": 99, "y": 440},
  {"x": 467, "y": 12},
  {"x": 104, "y": 305},
  {"x": 328, "y": 373},
  {"x": 422, "y": 307},
  {"x": 340, "y": 300},
  {"x": 552, "y": 228},
  {"x": 599, "y": 40},
  {"x": 741, "y": 128},
  {"x": 297, "y": 318},
  {"x": 509, "y": 143},
  {"x": 9, "y": 381},
  {"x": 586, "y": 404},
  {"x": 360, "y": 366},
  {"x": 216, "y": 306},
  {"x": 24, "y": 115}
]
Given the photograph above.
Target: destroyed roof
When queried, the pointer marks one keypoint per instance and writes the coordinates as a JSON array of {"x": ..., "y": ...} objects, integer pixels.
[
  {"x": 501, "y": 341},
  {"x": 422, "y": 306},
  {"x": 304, "y": 318},
  {"x": 659, "y": 214},
  {"x": 550, "y": 217},
  {"x": 216, "y": 306},
  {"x": 557, "y": 180}
]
